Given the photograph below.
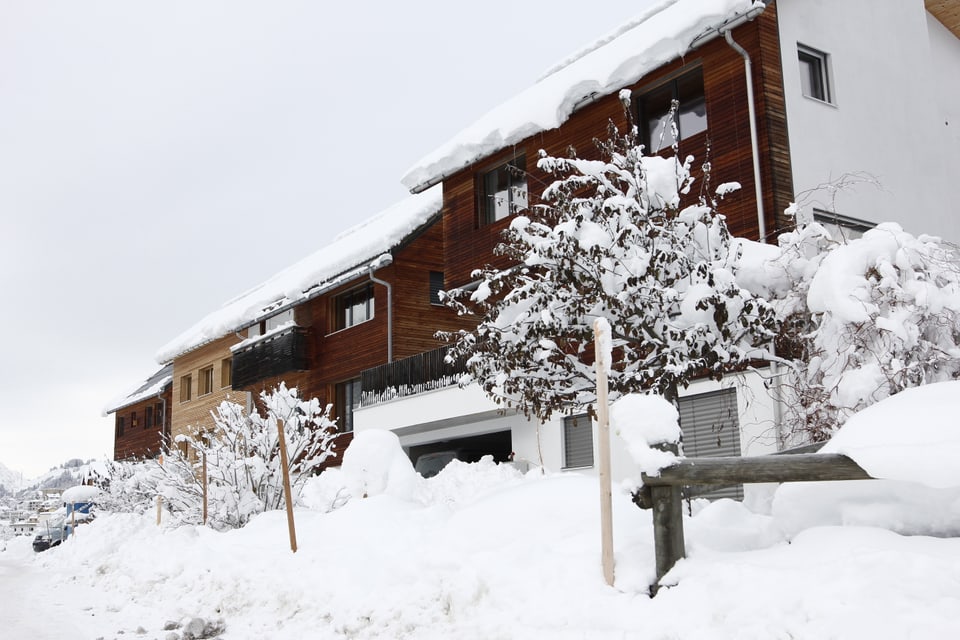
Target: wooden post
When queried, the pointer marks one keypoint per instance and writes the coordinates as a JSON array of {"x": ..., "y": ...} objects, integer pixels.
[
  {"x": 204, "y": 488},
  {"x": 73, "y": 513},
  {"x": 603, "y": 444},
  {"x": 668, "y": 542},
  {"x": 286, "y": 487},
  {"x": 159, "y": 497}
]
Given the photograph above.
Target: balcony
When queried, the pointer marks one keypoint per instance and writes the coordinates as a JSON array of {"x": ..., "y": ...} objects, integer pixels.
[
  {"x": 423, "y": 372},
  {"x": 276, "y": 354}
]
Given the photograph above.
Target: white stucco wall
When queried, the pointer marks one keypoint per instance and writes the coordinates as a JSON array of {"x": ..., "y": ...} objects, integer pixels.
[
  {"x": 895, "y": 93},
  {"x": 453, "y": 413}
]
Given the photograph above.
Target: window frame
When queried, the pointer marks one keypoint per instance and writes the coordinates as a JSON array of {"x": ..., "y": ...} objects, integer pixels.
[
  {"x": 673, "y": 82},
  {"x": 849, "y": 228},
  {"x": 226, "y": 373},
  {"x": 186, "y": 387},
  {"x": 487, "y": 215},
  {"x": 814, "y": 66},
  {"x": 570, "y": 422},
  {"x": 348, "y": 390},
  {"x": 343, "y": 306},
  {"x": 205, "y": 382}
]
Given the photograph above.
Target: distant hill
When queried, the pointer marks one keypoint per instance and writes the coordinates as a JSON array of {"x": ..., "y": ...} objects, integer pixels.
[
  {"x": 69, "y": 474},
  {"x": 9, "y": 480}
]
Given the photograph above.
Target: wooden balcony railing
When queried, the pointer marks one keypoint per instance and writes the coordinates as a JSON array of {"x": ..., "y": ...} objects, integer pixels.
[
  {"x": 410, "y": 376},
  {"x": 280, "y": 353}
]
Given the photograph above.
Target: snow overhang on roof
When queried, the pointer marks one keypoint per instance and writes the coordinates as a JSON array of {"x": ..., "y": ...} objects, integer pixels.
[
  {"x": 350, "y": 255},
  {"x": 663, "y": 33},
  {"x": 153, "y": 386}
]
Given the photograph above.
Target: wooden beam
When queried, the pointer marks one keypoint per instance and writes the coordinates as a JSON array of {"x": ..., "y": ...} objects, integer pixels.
[{"x": 801, "y": 467}]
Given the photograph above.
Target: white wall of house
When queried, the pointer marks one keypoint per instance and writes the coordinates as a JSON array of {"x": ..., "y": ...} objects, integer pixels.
[
  {"x": 451, "y": 413},
  {"x": 894, "y": 113}
]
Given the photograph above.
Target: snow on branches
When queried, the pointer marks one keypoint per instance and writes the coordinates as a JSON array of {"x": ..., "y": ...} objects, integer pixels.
[
  {"x": 244, "y": 474},
  {"x": 869, "y": 318},
  {"x": 613, "y": 239}
]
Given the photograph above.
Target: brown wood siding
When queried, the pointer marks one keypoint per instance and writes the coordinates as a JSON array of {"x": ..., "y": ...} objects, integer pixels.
[
  {"x": 773, "y": 106},
  {"x": 338, "y": 356},
  {"x": 470, "y": 246},
  {"x": 143, "y": 440}
]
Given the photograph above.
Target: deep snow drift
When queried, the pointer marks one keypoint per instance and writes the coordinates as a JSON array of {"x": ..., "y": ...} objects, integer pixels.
[{"x": 481, "y": 551}]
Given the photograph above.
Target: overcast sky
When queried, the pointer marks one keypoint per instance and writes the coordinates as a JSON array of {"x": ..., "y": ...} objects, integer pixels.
[{"x": 158, "y": 158}]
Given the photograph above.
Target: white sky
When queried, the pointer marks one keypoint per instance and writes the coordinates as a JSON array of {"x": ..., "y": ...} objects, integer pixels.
[{"x": 157, "y": 159}]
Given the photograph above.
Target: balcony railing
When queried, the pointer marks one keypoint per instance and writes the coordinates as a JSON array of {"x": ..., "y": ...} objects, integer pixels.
[
  {"x": 410, "y": 376},
  {"x": 280, "y": 353}
]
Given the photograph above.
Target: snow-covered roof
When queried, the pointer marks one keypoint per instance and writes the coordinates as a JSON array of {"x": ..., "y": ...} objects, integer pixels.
[
  {"x": 348, "y": 256},
  {"x": 148, "y": 389},
  {"x": 622, "y": 58}
]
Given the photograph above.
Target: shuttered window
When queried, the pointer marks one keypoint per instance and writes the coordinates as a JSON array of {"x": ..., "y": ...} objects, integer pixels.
[
  {"x": 577, "y": 442},
  {"x": 711, "y": 428}
]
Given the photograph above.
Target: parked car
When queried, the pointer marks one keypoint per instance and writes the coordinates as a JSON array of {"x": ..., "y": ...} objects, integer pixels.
[
  {"x": 51, "y": 537},
  {"x": 430, "y": 464}
]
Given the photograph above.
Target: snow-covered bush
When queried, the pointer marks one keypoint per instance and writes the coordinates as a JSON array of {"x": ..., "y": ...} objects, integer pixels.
[
  {"x": 243, "y": 470},
  {"x": 865, "y": 319},
  {"x": 611, "y": 239}
]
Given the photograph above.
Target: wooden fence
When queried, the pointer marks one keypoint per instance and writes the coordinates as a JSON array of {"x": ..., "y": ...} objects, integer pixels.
[{"x": 662, "y": 493}]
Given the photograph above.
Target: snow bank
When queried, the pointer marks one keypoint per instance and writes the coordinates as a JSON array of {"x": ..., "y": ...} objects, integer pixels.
[
  {"x": 375, "y": 464},
  {"x": 912, "y": 436},
  {"x": 654, "y": 39},
  {"x": 343, "y": 259}
]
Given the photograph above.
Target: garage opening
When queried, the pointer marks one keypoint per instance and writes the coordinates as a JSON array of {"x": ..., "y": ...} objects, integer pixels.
[{"x": 469, "y": 449}]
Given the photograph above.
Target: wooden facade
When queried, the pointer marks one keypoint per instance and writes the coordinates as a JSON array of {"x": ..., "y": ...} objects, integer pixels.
[
  {"x": 192, "y": 403},
  {"x": 469, "y": 244},
  {"x": 336, "y": 356},
  {"x": 142, "y": 426}
]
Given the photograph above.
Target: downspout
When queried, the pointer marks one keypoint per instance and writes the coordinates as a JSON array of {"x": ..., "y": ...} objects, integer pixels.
[
  {"x": 775, "y": 373},
  {"x": 761, "y": 222},
  {"x": 383, "y": 261}
]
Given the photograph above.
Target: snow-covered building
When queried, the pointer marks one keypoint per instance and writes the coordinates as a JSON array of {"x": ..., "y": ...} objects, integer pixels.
[
  {"x": 791, "y": 102},
  {"x": 369, "y": 297},
  {"x": 142, "y": 417}
]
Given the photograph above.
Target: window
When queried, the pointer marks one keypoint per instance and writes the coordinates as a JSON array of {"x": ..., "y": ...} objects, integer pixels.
[
  {"x": 348, "y": 399},
  {"x": 711, "y": 427},
  {"x": 436, "y": 286},
  {"x": 354, "y": 307},
  {"x": 504, "y": 191},
  {"x": 158, "y": 413},
  {"x": 186, "y": 388},
  {"x": 842, "y": 228},
  {"x": 120, "y": 426},
  {"x": 133, "y": 420},
  {"x": 206, "y": 381},
  {"x": 657, "y": 115},
  {"x": 814, "y": 73},
  {"x": 148, "y": 418},
  {"x": 577, "y": 441},
  {"x": 226, "y": 369}
]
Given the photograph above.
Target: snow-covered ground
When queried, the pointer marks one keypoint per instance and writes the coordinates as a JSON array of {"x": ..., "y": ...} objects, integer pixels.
[{"x": 481, "y": 551}]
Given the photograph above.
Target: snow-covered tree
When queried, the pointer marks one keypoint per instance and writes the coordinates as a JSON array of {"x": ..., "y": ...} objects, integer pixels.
[
  {"x": 866, "y": 319},
  {"x": 611, "y": 238},
  {"x": 244, "y": 475}
]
